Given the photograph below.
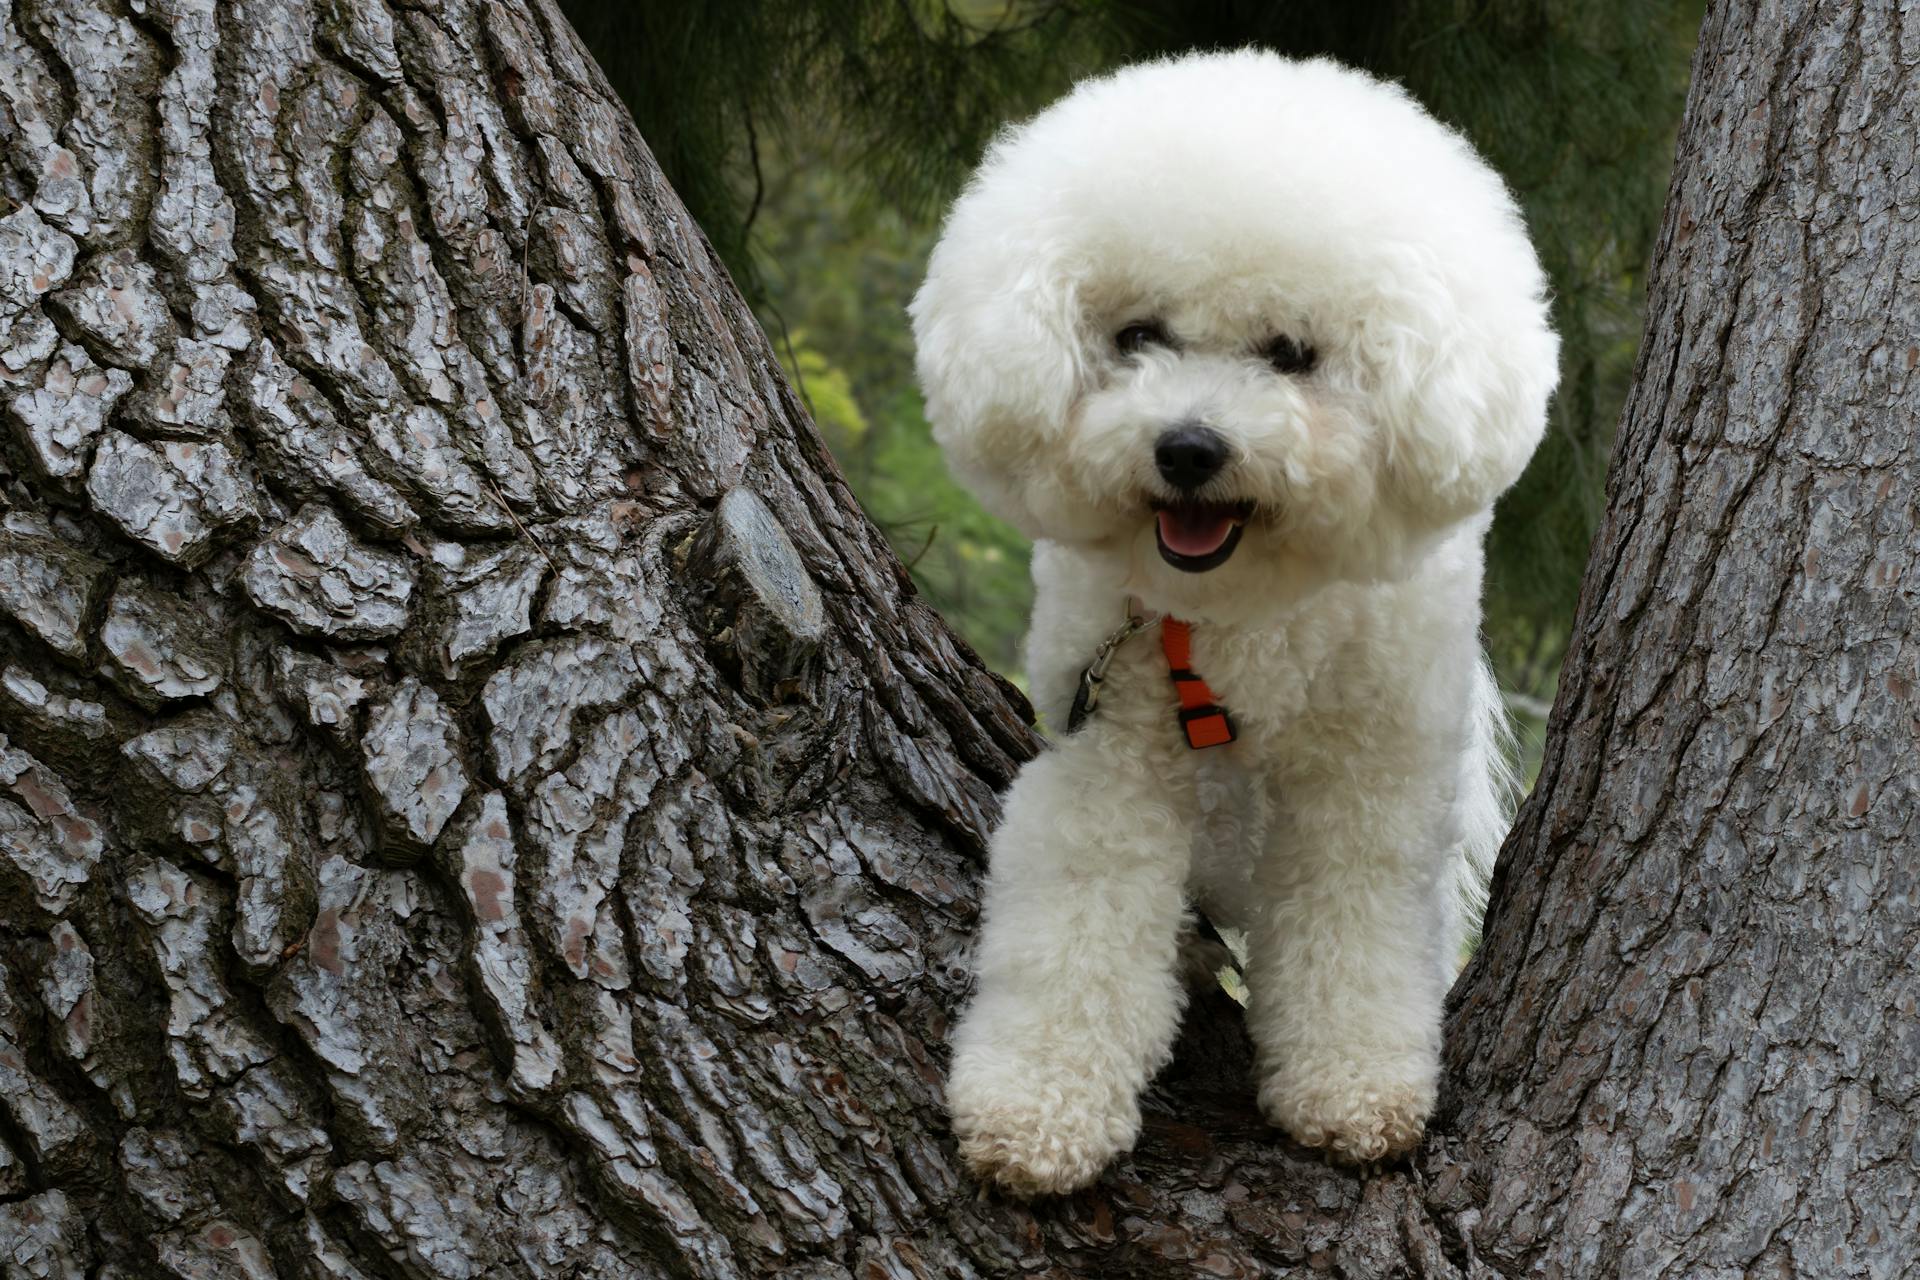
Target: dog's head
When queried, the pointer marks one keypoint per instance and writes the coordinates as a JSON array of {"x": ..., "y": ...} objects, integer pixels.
[{"x": 1256, "y": 321}]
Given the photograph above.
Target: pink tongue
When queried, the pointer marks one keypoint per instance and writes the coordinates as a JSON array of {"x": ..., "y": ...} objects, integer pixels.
[{"x": 1194, "y": 533}]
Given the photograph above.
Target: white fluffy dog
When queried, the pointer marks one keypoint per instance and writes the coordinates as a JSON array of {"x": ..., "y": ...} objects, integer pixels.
[{"x": 1252, "y": 344}]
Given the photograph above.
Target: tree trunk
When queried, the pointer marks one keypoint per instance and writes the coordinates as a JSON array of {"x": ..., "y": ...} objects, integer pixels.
[
  {"x": 479, "y": 799},
  {"x": 1690, "y": 1045}
]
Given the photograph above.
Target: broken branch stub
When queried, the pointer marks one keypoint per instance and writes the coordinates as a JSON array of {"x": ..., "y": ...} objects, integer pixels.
[{"x": 754, "y": 602}]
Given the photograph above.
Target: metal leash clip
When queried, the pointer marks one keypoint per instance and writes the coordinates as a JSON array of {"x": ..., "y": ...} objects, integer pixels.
[{"x": 1086, "y": 697}]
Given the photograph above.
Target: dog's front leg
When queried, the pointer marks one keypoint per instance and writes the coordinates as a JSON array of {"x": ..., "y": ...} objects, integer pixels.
[
  {"x": 1346, "y": 972},
  {"x": 1078, "y": 998}
]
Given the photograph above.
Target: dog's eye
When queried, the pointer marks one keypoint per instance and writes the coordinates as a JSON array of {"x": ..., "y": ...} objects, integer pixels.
[
  {"x": 1139, "y": 335},
  {"x": 1289, "y": 355}
]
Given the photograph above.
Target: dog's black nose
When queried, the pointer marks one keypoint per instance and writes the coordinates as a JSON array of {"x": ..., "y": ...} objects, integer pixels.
[{"x": 1190, "y": 456}]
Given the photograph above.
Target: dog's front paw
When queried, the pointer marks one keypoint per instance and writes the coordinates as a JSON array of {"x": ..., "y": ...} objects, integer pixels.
[
  {"x": 1039, "y": 1131},
  {"x": 1358, "y": 1119}
]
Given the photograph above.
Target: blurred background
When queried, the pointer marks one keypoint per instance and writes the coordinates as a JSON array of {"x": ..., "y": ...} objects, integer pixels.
[{"x": 817, "y": 141}]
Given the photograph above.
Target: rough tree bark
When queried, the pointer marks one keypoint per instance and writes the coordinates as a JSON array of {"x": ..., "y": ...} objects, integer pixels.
[
  {"x": 479, "y": 800},
  {"x": 1691, "y": 1043}
]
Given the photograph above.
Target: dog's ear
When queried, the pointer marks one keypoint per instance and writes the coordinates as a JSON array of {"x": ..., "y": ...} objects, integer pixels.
[
  {"x": 1464, "y": 369},
  {"x": 999, "y": 354}
]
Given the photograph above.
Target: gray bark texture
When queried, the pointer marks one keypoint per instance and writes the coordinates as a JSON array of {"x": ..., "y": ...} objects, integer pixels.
[{"x": 477, "y": 799}]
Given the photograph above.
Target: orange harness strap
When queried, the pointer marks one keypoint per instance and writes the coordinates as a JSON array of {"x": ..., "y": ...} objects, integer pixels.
[{"x": 1205, "y": 721}]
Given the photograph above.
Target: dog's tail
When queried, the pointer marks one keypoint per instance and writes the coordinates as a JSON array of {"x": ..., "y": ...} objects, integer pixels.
[{"x": 1488, "y": 796}]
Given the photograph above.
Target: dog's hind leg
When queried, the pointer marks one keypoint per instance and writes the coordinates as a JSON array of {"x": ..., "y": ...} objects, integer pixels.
[{"x": 1079, "y": 994}]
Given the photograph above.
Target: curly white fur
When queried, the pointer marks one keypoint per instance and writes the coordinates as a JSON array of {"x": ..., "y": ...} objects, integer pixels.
[{"x": 1230, "y": 198}]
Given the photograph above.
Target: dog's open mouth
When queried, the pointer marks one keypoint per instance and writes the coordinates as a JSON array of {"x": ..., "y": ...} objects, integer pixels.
[{"x": 1197, "y": 536}]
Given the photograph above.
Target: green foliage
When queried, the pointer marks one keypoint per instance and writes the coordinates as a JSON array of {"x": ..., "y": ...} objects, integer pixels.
[
  {"x": 816, "y": 140},
  {"x": 837, "y": 278},
  {"x": 900, "y": 95}
]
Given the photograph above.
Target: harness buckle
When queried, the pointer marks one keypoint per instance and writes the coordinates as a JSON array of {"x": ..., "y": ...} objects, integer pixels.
[
  {"x": 1207, "y": 726},
  {"x": 1204, "y": 721}
]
